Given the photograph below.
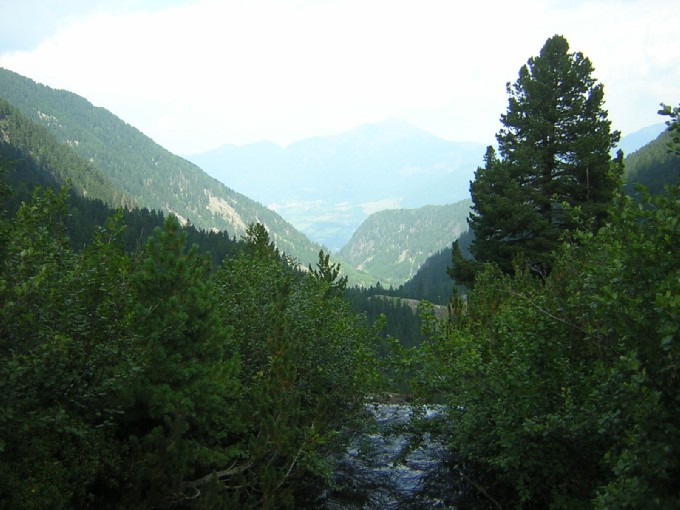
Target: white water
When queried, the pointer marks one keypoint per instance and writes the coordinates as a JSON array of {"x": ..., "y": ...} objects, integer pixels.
[{"x": 380, "y": 471}]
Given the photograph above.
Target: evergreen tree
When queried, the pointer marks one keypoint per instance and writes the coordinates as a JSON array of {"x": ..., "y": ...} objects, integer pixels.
[
  {"x": 63, "y": 361},
  {"x": 554, "y": 169},
  {"x": 182, "y": 422},
  {"x": 258, "y": 243},
  {"x": 328, "y": 272},
  {"x": 673, "y": 127}
]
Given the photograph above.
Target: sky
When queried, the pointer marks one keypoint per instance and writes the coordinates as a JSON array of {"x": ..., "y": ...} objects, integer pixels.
[{"x": 197, "y": 74}]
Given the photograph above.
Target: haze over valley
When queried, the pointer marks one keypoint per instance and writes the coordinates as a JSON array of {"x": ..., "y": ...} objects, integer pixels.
[
  {"x": 383, "y": 197},
  {"x": 327, "y": 186},
  {"x": 274, "y": 100}
]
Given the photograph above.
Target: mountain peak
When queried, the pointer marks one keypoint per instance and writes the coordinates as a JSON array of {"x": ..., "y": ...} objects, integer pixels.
[
  {"x": 326, "y": 185},
  {"x": 387, "y": 131}
]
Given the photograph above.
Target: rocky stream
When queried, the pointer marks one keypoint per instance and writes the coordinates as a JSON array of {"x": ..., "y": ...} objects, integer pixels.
[{"x": 389, "y": 467}]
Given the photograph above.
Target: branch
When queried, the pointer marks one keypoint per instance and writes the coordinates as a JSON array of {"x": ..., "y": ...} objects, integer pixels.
[
  {"x": 218, "y": 475},
  {"x": 290, "y": 468},
  {"x": 552, "y": 316},
  {"x": 481, "y": 489}
]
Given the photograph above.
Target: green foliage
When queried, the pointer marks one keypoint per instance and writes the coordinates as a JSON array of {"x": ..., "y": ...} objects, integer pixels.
[
  {"x": 146, "y": 382},
  {"x": 554, "y": 170},
  {"x": 637, "y": 306},
  {"x": 329, "y": 272},
  {"x": 306, "y": 362},
  {"x": 63, "y": 362},
  {"x": 258, "y": 244},
  {"x": 182, "y": 413},
  {"x": 462, "y": 270},
  {"x": 563, "y": 392},
  {"x": 673, "y": 126}
]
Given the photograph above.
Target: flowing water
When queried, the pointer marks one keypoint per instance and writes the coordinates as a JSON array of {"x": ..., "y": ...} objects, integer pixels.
[{"x": 390, "y": 467}]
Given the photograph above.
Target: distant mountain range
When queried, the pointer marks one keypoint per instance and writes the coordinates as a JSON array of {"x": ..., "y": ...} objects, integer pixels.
[
  {"x": 388, "y": 194},
  {"x": 632, "y": 142},
  {"x": 326, "y": 186}
]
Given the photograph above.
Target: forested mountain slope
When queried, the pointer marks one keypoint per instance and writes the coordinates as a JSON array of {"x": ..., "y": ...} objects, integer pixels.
[
  {"x": 653, "y": 166},
  {"x": 21, "y": 138},
  {"x": 146, "y": 173},
  {"x": 392, "y": 244},
  {"x": 33, "y": 158}
]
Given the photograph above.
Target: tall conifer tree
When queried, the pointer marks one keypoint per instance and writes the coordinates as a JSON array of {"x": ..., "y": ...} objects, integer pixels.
[{"x": 554, "y": 150}]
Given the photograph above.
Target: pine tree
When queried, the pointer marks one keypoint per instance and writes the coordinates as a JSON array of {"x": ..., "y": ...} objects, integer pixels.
[
  {"x": 181, "y": 421},
  {"x": 307, "y": 360},
  {"x": 328, "y": 272},
  {"x": 554, "y": 170},
  {"x": 673, "y": 126}
]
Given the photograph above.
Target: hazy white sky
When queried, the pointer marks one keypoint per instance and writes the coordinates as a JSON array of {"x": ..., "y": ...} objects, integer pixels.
[{"x": 195, "y": 74}]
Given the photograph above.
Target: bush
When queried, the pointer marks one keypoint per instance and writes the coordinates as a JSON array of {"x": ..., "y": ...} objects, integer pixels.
[{"x": 563, "y": 393}]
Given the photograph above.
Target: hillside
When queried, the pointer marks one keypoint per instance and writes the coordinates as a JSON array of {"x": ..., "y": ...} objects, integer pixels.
[
  {"x": 56, "y": 162},
  {"x": 634, "y": 141},
  {"x": 146, "y": 173},
  {"x": 652, "y": 166},
  {"x": 326, "y": 186},
  {"x": 391, "y": 245}
]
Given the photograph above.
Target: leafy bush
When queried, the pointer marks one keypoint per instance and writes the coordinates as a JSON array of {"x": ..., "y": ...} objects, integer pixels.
[
  {"x": 564, "y": 393},
  {"x": 307, "y": 361},
  {"x": 145, "y": 381}
]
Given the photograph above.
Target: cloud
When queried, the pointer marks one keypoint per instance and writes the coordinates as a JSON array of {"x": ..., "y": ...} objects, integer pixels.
[
  {"x": 24, "y": 25},
  {"x": 380, "y": 205},
  {"x": 201, "y": 73},
  {"x": 414, "y": 170}
]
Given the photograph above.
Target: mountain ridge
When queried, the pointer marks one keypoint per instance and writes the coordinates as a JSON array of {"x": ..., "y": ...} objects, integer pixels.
[
  {"x": 323, "y": 184},
  {"x": 327, "y": 185},
  {"x": 392, "y": 245},
  {"x": 140, "y": 168},
  {"x": 147, "y": 173}
]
